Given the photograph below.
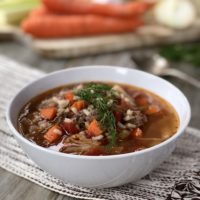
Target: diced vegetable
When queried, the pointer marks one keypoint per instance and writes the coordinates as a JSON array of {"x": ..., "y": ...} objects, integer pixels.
[
  {"x": 137, "y": 133},
  {"x": 48, "y": 113},
  {"x": 94, "y": 129},
  {"x": 70, "y": 96},
  {"x": 53, "y": 134},
  {"x": 79, "y": 105},
  {"x": 70, "y": 127},
  {"x": 152, "y": 109}
]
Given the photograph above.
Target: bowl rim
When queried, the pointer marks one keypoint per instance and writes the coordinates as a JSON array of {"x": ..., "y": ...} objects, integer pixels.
[{"x": 19, "y": 136}]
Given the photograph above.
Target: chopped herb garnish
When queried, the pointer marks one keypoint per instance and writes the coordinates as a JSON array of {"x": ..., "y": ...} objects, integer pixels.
[
  {"x": 100, "y": 96},
  {"x": 182, "y": 53}
]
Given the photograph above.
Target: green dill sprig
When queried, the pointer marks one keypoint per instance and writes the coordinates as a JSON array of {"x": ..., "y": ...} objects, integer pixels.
[
  {"x": 189, "y": 53},
  {"x": 102, "y": 98}
]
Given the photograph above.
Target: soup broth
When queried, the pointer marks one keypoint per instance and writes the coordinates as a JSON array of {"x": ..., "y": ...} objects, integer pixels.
[{"x": 97, "y": 119}]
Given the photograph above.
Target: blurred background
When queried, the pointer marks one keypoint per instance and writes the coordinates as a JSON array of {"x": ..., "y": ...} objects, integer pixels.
[{"x": 152, "y": 35}]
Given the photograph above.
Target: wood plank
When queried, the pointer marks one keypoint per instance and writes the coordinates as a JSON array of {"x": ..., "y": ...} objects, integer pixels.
[
  {"x": 7, "y": 32},
  {"x": 146, "y": 36},
  {"x": 13, "y": 187},
  {"x": 150, "y": 35}
]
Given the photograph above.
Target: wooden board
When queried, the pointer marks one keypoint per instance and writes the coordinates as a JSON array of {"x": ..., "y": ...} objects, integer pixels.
[
  {"x": 7, "y": 32},
  {"x": 149, "y": 35}
]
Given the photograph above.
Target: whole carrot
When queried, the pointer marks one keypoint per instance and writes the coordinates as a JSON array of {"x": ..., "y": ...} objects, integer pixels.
[
  {"x": 56, "y": 26},
  {"x": 39, "y": 12},
  {"x": 84, "y": 7}
]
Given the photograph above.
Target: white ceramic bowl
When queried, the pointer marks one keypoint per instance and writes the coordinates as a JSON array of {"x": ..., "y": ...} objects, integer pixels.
[{"x": 100, "y": 171}]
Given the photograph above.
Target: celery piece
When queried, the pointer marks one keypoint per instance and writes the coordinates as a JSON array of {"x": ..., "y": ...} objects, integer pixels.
[
  {"x": 16, "y": 12},
  {"x": 7, "y": 4}
]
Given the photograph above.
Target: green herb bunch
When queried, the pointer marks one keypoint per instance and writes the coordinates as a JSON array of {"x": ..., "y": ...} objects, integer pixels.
[
  {"x": 102, "y": 98},
  {"x": 182, "y": 53}
]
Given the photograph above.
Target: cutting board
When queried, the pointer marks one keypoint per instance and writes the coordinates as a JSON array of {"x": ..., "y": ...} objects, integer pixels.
[
  {"x": 149, "y": 35},
  {"x": 7, "y": 32}
]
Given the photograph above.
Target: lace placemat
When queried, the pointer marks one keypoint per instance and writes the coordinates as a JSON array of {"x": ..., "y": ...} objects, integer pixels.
[{"x": 177, "y": 178}]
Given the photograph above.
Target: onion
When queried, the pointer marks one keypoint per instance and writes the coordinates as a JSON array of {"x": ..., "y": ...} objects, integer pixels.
[{"x": 175, "y": 13}]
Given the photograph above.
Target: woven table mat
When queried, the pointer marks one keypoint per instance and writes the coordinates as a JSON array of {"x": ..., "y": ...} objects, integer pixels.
[{"x": 177, "y": 178}]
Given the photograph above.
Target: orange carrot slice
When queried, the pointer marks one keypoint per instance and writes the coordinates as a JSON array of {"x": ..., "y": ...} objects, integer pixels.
[
  {"x": 48, "y": 113},
  {"x": 94, "y": 128},
  {"x": 53, "y": 134},
  {"x": 79, "y": 105},
  {"x": 70, "y": 96}
]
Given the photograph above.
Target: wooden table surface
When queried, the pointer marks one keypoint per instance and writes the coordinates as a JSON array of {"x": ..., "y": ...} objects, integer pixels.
[{"x": 13, "y": 187}]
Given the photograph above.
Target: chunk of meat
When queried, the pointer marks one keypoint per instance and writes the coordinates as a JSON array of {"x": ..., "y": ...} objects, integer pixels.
[
  {"x": 70, "y": 127},
  {"x": 125, "y": 105},
  {"x": 118, "y": 116},
  {"x": 124, "y": 96},
  {"x": 142, "y": 100}
]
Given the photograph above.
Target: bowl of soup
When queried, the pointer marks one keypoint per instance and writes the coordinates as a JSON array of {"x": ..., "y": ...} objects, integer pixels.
[{"x": 98, "y": 126}]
